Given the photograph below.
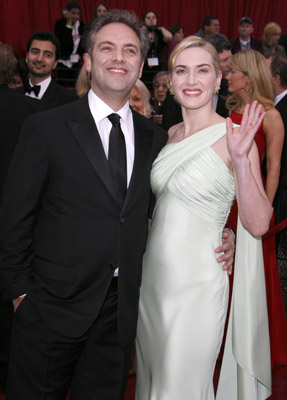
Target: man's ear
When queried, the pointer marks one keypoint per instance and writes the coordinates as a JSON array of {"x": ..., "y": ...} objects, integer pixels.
[
  {"x": 141, "y": 69},
  {"x": 88, "y": 61},
  {"x": 55, "y": 64}
]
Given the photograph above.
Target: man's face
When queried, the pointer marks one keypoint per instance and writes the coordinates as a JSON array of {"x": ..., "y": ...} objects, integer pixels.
[
  {"x": 75, "y": 14},
  {"x": 245, "y": 30},
  {"x": 213, "y": 28},
  {"x": 161, "y": 86},
  {"x": 115, "y": 63},
  {"x": 41, "y": 58},
  {"x": 224, "y": 62}
]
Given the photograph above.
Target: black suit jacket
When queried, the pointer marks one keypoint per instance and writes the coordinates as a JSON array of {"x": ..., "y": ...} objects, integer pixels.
[
  {"x": 14, "y": 109},
  {"x": 255, "y": 44},
  {"x": 62, "y": 231},
  {"x": 55, "y": 95},
  {"x": 282, "y": 108},
  {"x": 65, "y": 37}
]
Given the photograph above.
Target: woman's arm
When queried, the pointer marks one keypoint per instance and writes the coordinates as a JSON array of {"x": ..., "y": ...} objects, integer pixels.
[
  {"x": 167, "y": 35},
  {"x": 254, "y": 207},
  {"x": 274, "y": 137}
]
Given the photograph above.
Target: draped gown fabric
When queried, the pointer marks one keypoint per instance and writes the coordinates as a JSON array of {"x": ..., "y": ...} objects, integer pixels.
[
  {"x": 184, "y": 291},
  {"x": 275, "y": 302}
]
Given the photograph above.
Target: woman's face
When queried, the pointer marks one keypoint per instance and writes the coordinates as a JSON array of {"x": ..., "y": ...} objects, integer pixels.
[
  {"x": 179, "y": 35},
  {"x": 16, "y": 82},
  {"x": 237, "y": 80},
  {"x": 194, "y": 78},
  {"x": 275, "y": 39},
  {"x": 137, "y": 101},
  {"x": 101, "y": 10},
  {"x": 150, "y": 19}
]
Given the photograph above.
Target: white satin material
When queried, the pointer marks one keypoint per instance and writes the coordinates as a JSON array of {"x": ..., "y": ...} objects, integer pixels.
[{"x": 184, "y": 291}]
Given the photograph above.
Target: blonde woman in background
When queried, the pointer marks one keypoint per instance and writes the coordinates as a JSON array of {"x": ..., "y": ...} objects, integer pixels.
[
  {"x": 270, "y": 40},
  {"x": 250, "y": 79},
  {"x": 140, "y": 99}
]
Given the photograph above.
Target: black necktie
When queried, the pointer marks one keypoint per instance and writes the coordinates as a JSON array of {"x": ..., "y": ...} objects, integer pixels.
[
  {"x": 117, "y": 157},
  {"x": 35, "y": 89}
]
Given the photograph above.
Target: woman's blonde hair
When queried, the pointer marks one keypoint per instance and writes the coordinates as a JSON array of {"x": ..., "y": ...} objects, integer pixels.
[
  {"x": 145, "y": 93},
  {"x": 83, "y": 83},
  {"x": 269, "y": 30},
  {"x": 193, "y": 41},
  {"x": 253, "y": 64}
]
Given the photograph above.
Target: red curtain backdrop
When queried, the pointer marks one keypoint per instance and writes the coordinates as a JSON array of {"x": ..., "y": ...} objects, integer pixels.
[{"x": 20, "y": 18}]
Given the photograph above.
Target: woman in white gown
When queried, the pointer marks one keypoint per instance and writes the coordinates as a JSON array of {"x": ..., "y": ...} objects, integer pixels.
[{"x": 184, "y": 291}]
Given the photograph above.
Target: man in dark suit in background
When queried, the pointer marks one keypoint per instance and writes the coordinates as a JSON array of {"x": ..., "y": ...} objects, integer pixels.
[
  {"x": 245, "y": 41},
  {"x": 14, "y": 108},
  {"x": 74, "y": 227},
  {"x": 43, "y": 50},
  {"x": 278, "y": 68},
  {"x": 279, "y": 73}
]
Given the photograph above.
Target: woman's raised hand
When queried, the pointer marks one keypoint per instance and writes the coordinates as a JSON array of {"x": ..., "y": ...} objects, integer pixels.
[{"x": 240, "y": 139}]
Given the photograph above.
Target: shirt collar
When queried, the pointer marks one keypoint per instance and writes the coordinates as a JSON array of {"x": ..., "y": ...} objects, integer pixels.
[
  {"x": 280, "y": 97},
  {"x": 43, "y": 86},
  {"x": 101, "y": 110}
]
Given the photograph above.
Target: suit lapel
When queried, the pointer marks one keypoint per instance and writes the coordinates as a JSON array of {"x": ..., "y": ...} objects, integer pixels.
[
  {"x": 282, "y": 103},
  {"x": 50, "y": 96},
  {"x": 143, "y": 144},
  {"x": 85, "y": 131}
]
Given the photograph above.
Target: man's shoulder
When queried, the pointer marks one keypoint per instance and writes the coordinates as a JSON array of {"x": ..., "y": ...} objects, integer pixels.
[
  {"x": 157, "y": 134},
  {"x": 146, "y": 123},
  {"x": 62, "y": 91},
  {"x": 282, "y": 104},
  {"x": 60, "y": 114},
  {"x": 235, "y": 41}
]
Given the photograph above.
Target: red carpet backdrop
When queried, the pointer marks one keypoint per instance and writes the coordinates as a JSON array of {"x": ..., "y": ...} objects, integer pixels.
[{"x": 19, "y": 18}]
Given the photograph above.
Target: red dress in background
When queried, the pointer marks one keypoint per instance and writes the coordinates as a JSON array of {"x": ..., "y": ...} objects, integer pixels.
[{"x": 275, "y": 303}]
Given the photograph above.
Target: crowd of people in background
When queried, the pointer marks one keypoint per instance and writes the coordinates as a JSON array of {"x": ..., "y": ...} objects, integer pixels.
[{"x": 54, "y": 74}]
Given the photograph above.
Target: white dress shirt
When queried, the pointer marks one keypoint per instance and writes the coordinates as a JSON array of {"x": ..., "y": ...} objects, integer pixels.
[
  {"x": 100, "y": 111},
  {"x": 280, "y": 97}
]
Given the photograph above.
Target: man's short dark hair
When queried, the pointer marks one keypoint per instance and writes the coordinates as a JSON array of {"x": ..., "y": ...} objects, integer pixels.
[
  {"x": 207, "y": 20},
  {"x": 8, "y": 63},
  {"x": 279, "y": 67},
  {"x": 45, "y": 36},
  {"x": 219, "y": 42},
  {"x": 73, "y": 4},
  {"x": 116, "y": 16}
]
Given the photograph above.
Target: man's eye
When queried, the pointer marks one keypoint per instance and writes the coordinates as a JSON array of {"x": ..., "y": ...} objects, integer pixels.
[{"x": 131, "y": 51}]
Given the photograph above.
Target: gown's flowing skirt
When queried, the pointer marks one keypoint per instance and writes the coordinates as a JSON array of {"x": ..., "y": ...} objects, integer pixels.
[{"x": 183, "y": 304}]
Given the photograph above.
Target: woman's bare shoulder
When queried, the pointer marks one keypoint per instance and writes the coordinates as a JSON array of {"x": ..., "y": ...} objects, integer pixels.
[{"x": 172, "y": 132}]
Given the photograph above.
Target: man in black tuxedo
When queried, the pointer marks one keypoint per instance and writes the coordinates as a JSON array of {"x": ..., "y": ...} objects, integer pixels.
[
  {"x": 74, "y": 226},
  {"x": 43, "y": 50},
  {"x": 278, "y": 68}
]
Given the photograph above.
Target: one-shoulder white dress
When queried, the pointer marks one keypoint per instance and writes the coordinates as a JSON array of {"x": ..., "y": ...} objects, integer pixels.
[{"x": 184, "y": 292}]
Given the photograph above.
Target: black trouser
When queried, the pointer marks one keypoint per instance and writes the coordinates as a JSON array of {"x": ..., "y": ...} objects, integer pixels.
[{"x": 44, "y": 364}]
